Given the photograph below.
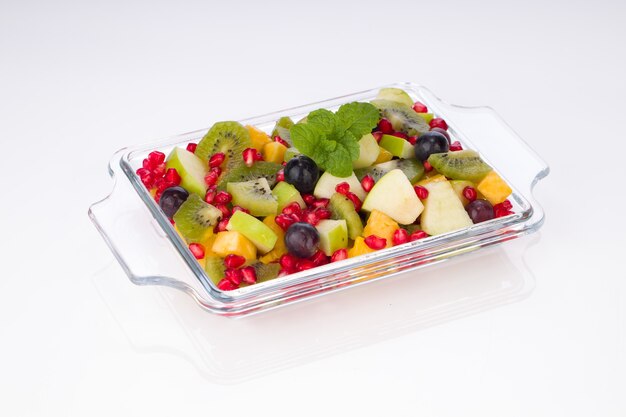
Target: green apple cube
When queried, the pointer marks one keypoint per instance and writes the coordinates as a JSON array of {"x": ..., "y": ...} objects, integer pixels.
[
  {"x": 397, "y": 146},
  {"x": 368, "y": 152},
  {"x": 325, "y": 187},
  {"x": 191, "y": 170},
  {"x": 286, "y": 194},
  {"x": 426, "y": 116},
  {"x": 333, "y": 235},
  {"x": 395, "y": 94},
  {"x": 394, "y": 195},
  {"x": 254, "y": 229}
]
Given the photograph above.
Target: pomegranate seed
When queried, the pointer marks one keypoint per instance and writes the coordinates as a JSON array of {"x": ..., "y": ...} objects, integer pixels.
[
  {"x": 342, "y": 188},
  {"x": 469, "y": 193},
  {"x": 249, "y": 275},
  {"x": 234, "y": 275},
  {"x": 156, "y": 157},
  {"x": 157, "y": 195},
  {"x": 216, "y": 160},
  {"x": 375, "y": 242},
  {"x": 281, "y": 141},
  {"x": 311, "y": 218},
  {"x": 323, "y": 214},
  {"x": 292, "y": 208},
  {"x": 142, "y": 172},
  {"x": 506, "y": 204},
  {"x": 319, "y": 258},
  {"x": 222, "y": 225},
  {"x": 239, "y": 208},
  {"x": 427, "y": 166},
  {"x": 284, "y": 221},
  {"x": 412, "y": 140},
  {"x": 191, "y": 147},
  {"x": 147, "y": 180},
  {"x": 438, "y": 122},
  {"x": 223, "y": 197},
  {"x": 320, "y": 203},
  {"x": 355, "y": 200},
  {"x": 385, "y": 126},
  {"x": 147, "y": 164},
  {"x": 223, "y": 208},
  {"x": 233, "y": 261},
  {"x": 401, "y": 135},
  {"x": 367, "y": 183},
  {"x": 249, "y": 155},
  {"x": 377, "y": 135},
  {"x": 417, "y": 235},
  {"x": 456, "y": 146},
  {"x": 160, "y": 184},
  {"x": 211, "y": 178},
  {"x": 503, "y": 209},
  {"x": 288, "y": 262},
  {"x": 283, "y": 272},
  {"x": 339, "y": 255},
  {"x": 209, "y": 196},
  {"x": 399, "y": 237},
  {"x": 422, "y": 192},
  {"x": 226, "y": 285},
  {"x": 420, "y": 107},
  {"x": 197, "y": 250},
  {"x": 284, "y": 163},
  {"x": 171, "y": 177},
  {"x": 159, "y": 170},
  {"x": 308, "y": 199},
  {"x": 304, "y": 264},
  {"x": 280, "y": 176},
  {"x": 216, "y": 170}
]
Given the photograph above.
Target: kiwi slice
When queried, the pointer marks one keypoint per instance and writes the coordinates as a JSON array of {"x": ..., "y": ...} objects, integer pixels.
[
  {"x": 265, "y": 272},
  {"x": 395, "y": 94},
  {"x": 411, "y": 168},
  {"x": 411, "y": 227},
  {"x": 254, "y": 195},
  {"x": 342, "y": 208},
  {"x": 242, "y": 173},
  {"x": 230, "y": 138},
  {"x": 460, "y": 165},
  {"x": 282, "y": 129},
  {"x": 402, "y": 117},
  {"x": 195, "y": 219},
  {"x": 214, "y": 268}
]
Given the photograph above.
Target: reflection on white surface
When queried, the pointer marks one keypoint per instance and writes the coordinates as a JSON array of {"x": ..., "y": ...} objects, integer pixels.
[{"x": 230, "y": 351}]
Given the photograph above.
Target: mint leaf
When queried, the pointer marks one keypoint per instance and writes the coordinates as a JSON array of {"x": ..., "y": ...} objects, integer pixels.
[{"x": 358, "y": 118}]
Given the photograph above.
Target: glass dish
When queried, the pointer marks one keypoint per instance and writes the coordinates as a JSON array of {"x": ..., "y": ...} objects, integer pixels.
[{"x": 152, "y": 253}]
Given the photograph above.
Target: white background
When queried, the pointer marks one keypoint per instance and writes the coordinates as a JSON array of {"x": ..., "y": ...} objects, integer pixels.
[{"x": 79, "y": 80}]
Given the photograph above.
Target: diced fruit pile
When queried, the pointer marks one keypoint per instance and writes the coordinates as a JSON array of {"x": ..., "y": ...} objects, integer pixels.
[{"x": 253, "y": 206}]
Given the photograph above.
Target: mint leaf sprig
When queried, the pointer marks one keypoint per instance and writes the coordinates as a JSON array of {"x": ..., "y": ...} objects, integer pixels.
[{"x": 331, "y": 139}]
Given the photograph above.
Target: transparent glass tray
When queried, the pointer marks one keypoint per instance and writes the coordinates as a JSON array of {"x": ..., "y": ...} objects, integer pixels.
[{"x": 152, "y": 253}]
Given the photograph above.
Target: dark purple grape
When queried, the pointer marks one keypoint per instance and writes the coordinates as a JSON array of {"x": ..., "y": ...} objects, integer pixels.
[
  {"x": 480, "y": 211},
  {"x": 302, "y": 172},
  {"x": 430, "y": 143},
  {"x": 443, "y": 132},
  {"x": 302, "y": 239},
  {"x": 171, "y": 200}
]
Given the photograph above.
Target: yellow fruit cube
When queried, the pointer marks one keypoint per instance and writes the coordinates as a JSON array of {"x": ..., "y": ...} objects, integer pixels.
[
  {"x": 383, "y": 156},
  {"x": 381, "y": 225},
  {"x": 279, "y": 248},
  {"x": 232, "y": 242},
  {"x": 274, "y": 152},
  {"x": 359, "y": 248},
  {"x": 494, "y": 188},
  {"x": 258, "y": 138}
]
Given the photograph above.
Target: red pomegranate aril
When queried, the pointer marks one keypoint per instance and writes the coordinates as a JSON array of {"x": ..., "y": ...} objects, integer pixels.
[
  {"x": 342, "y": 188},
  {"x": 280, "y": 176},
  {"x": 209, "y": 197},
  {"x": 438, "y": 122},
  {"x": 234, "y": 275},
  {"x": 506, "y": 204},
  {"x": 171, "y": 177},
  {"x": 142, "y": 172},
  {"x": 284, "y": 221},
  {"x": 320, "y": 203},
  {"x": 422, "y": 192},
  {"x": 401, "y": 135},
  {"x": 222, "y": 225},
  {"x": 385, "y": 126},
  {"x": 249, "y": 156},
  {"x": 412, "y": 140},
  {"x": 367, "y": 183},
  {"x": 249, "y": 275},
  {"x": 160, "y": 184},
  {"x": 288, "y": 262},
  {"x": 319, "y": 258},
  {"x": 223, "y": 197},
  {"x": 223, "y": 208},
  {"x": 226, "y": 285},
  {"x": 156, "y": 157},
  {"x": 323, "y": 213},
  {"x": 309, "y": 199},
  {"x": 157, "y": 195},
  {"x": 417, "y": 235},
  {"x": 239, "y": 208},
  {"x": 469, "y": 193},
  {"x": 310, "y": 217},
  {"x": 147, "y": 164},
  {"x": 355, "y": 200},
  {"x": 234, "y": 261},
  {"x": 197, "y": 250},
  {"x": 399, "y": 237},
  {"x": 304, "y": 264},
  {"x": 292, "y": 208},
  {"x": 378, "y": 135},
  {"x": 211, "y": 178},
  {"x": 191, "y": 147},
  {"x": 456, "y": 146},
  {"x": 147, "y": 180},
  {"x": 216, "y": 160},
  {"x": 159, "y": 170},
  {"x": 339, "y": 255},
  {"x": 281, "y": 141},
  {"x": 419, "y": 107},
  {"x": 427, "y": 166},
  {"x": 283, "y": 272},
  {"x": 375, "y": 242}
]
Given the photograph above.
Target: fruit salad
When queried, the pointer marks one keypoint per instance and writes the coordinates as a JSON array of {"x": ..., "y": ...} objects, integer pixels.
[{"x": 253, "y": 205}]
